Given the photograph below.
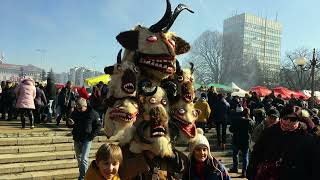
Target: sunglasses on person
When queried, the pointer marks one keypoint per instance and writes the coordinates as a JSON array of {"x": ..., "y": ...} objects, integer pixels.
[{"x": 292, "y": 119}]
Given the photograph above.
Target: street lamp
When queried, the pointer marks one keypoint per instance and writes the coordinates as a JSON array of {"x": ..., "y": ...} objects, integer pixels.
[
  {"x": 313, "y": 64},
  {"x": 301, "y": 62}
]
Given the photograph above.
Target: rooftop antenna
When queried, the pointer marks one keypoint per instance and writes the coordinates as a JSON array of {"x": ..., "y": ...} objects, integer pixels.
[
  {"x": 2, "y": 57},
  {"x": 277, "y": 16}
]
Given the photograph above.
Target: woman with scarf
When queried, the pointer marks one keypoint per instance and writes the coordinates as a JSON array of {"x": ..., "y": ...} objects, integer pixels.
[
  {"x": 202, "y": 165},
  {"x": 285, "y": 151}
]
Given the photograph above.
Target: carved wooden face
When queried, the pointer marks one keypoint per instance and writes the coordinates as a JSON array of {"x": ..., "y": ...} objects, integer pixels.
[
  {"x": 185, "y": 85},
  {"x": 156, "y": 51}
]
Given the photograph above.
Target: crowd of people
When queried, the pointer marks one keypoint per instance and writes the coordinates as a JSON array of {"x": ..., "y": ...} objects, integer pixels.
[{"x": 278, "y": 139}]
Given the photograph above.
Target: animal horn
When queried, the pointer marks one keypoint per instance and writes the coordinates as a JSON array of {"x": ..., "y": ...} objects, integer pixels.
[
  {"x": 140, "y": 132},
  {"x": 191, "y": 67},
  {"x": 164, "y": 21},
  {"x": 178, "y": 67},
  {"x": 119, "y": 57},
  {"x": 176, "y": 12}
]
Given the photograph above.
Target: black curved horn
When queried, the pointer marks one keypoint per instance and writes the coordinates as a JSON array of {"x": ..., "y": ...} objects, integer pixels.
[
  {"x": 191, "y": 67},
  {"x": 146, "y": 89},
  {"x": 119, "y": 57},
  {"x": 176, "y": 12},
  {"x": 164, "y": 21},
  {"x": 140, "y": 132},
  {"x": 178, "y": 67}
]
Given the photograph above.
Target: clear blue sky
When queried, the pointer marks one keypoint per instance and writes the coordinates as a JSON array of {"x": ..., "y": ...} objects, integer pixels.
[{"x": 82, "y": 32}]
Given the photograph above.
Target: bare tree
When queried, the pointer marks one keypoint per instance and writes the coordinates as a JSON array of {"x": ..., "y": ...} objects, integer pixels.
[{"x": 206, "y": 54}]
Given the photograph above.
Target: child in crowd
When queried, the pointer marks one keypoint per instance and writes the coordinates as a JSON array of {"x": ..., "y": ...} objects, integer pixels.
[
  {"x": 106, "y": 164},
  {"x": 204, "y": 107},
  {"x": 202, "y": 165}
]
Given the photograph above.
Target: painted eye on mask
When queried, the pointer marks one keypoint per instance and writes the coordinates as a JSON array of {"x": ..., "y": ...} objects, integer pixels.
[
  {"x": 180, "y": 78},
  {"x": 164, "y": 102},
  {"x": 152, "y": 38},
  {"x": 152, "y": 100},
  {"x": 182, "y": 111}
]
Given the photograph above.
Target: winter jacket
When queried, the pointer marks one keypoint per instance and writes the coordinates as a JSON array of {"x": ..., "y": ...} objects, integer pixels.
[
  {"x": 296, "y": 153},
  {"x": 86, "y": 126},
  {"x": 221, "y": 111},
  {"x": 50, "y": 90},
  {"x": 258, "y": 130},
  {"x": 66, "y": 97},
  {"x": 8, "y": 96},
  {"x": 40, "y": 99},
  {"x": 26, "y": 92},
  {"x": 94, "y": 174},
  {"x": 241, "y": 128},
  {"x": 139, "y": 167},
  {"x": 203, "y": 106},
  {"x": 213, "y": 170}
]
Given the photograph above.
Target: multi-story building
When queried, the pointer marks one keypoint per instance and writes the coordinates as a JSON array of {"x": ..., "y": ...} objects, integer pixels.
[
  {"x": 76, "y": 75},
  {"x": 248, "y": 37}
]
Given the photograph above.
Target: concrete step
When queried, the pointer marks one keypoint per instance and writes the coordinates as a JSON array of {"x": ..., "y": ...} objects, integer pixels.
[
  {"x": 39, "y": 156},
  {"x": 42, "y": 140},
  {"x": 42, "y": 148},
  {"x": 70, "y": 173}
]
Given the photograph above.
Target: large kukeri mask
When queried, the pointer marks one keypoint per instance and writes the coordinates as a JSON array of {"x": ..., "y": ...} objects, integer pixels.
[
  {"x": 119, "y": 120},
  {"x": 124, "y": 78},
  {"x": 155, "y": 48},
  {"x": 153, "y": 128}
]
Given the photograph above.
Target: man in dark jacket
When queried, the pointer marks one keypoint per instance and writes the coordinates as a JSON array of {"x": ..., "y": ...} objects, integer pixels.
[
  {"x": 220, "y": 117},
  {"x": 66, "y": 99},
  {"x": 285, "y": 151},
  {"x": 50, "y": 92},
  {"x": 9, "y": 100},
  {"x": 86, "y": 126},
  {"x": 241, "y": 128}
]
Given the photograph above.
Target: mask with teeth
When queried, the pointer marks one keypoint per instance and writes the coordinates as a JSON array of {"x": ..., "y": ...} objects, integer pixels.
[
  {"x": 124, "y": 75},
  {"x": 152, "y": 125},
  {"x": 119, "y": 120},
  {"x": 184, "y": 80},
  {"x": 183, "y": 116},
  {"x": 155, "y": 48}
]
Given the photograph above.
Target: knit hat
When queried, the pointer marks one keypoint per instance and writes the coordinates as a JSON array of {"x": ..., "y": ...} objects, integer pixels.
[
  {"x": 81, "y": 102},
  {"x": 200, "y": 139}
]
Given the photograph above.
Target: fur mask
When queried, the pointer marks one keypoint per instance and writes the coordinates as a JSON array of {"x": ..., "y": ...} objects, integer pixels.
[
  {"x": 182, "y": 121},
  {"x": 152, "y": 126},
  {"x": 155, "y": 48},
  {"x": 120, "y": 118},
  {"x": 184, "y": 79},
  {"x": 124, "y": 75}
]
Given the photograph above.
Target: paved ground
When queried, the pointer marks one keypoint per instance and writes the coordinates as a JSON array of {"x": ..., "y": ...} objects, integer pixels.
[{"x": 14, "y": 126}]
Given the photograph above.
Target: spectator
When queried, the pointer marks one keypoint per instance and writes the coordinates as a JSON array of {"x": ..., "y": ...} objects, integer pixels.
[
  {"x": 202, "y": 165},
  {"x": 220, "y": 117},
  {"x": 241, "y": 129},
  {"x": 106, "y": 164},
  {"x": 285, "y": 151},
  {"x": 9, "y": 100},
  {"x": 26, "y": 92},
  {"x": 50, "y": 92},
  {"x": 40, "y": 102},
  {"x": 204, "y": 108},
  {"x": 272, "y": 118},
  {"x": 86, "y": 126},
  {"x": 66, "y": 101}
]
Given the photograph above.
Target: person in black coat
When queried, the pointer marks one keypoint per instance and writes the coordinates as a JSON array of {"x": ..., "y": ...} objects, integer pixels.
[
  {"x": 50, "y": 92},
  {"x": 220, "y": 117},
  {"x": 241, "y": 128},
  {"x": 86, "y": 126},
  {"x": 285, "y": 151},
  {"x": 66, "y": 99}
]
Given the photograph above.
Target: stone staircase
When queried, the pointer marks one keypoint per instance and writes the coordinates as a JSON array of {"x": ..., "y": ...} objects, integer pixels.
[
  {"x": 40, "y": 155},
  {"x": 48, "y": 153}
]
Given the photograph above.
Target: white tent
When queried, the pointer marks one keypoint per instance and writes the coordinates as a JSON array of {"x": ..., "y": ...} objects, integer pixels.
[
  {"x": 239, "y": 92},
  {"x": 308, "y": 93}
]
